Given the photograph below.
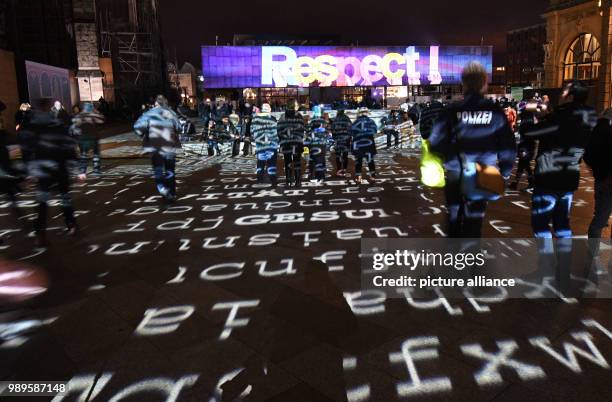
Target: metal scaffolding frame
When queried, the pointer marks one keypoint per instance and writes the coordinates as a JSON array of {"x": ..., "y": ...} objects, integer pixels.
[{"x": 132, "y": 41}]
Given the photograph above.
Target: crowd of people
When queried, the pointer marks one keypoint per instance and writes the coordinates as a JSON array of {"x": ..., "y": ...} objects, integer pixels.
[{"x": 476, "y": 139}]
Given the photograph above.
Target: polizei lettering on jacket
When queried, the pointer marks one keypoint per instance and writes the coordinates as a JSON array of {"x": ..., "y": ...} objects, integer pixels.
[{"x": 479, "y": 117}]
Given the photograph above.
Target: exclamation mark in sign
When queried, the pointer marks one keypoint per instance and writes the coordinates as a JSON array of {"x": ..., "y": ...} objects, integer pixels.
[{"x": 434, "y": 72}]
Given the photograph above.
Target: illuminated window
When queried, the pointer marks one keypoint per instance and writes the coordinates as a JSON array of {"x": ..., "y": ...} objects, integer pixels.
[{"x": 582, "y": 60}]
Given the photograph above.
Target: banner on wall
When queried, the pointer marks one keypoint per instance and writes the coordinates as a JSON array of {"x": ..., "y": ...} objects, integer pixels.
[{"x": 325, "y": 66}]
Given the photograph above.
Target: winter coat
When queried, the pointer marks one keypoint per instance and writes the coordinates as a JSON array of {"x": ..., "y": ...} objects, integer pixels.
[
  {"x": 341, "y": 132},
  {"x": 159, "y": 128},
  {"x": 84, "y": 126},
  {"x": 291, "y": 132},
  {"x": 477, "y": 130},
  {"x": 363, "y": 132},
  {"x": 223, "y": 132},
  {"x": 562, "y": 136},
  {"x": 265, "y": 133}
]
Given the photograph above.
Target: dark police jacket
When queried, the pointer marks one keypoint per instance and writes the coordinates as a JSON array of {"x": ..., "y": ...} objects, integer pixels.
[
  {"x": 477, "y": 130},
  {"x": 562, "y": 139}
]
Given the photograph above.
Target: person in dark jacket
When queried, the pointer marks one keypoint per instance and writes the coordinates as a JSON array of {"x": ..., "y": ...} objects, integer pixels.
[
  {"x": 363, "y": 131},
  {"x": 245, "y": 134},
  {"x": 53, "y": 154},
  {"x": 390, "y": 124},
  {"x": 159, "y": 128},
  {"x": 205, "y": 110},
  {"x": 562, "y": 136},
  {"x": 526, "y": 148},
  {"x": 474, "y": 130},
  {"x": 223, "y": 131},
  {"x": 341, "y": 132},
  {"x": 598, "y": 156},
  {"x": 84, "y": 129},
  {"x": 21, "y": 115},
  {"x": 291, "y": 132},
  {"x": 10, "y": 176},
  {"x": 265, "y": 134},
  {"x": 428, "y": 117}
]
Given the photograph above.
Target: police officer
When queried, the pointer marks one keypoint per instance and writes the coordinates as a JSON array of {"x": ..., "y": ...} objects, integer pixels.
[
  {"x": 291, "y": 132},
  {"x": 473, "y": 130}
]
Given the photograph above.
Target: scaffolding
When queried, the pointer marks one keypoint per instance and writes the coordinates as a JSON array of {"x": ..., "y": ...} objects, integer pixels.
[{"x": 130, "y": 37}]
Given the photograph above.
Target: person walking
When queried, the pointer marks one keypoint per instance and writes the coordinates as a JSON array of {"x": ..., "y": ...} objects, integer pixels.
[
  {"x": 291, "y": 132},
  {"x": 84, "y": 129},
  {"x": 265, "y": 134},
  {"x": 52, "y": 157},
  {"x": 597, "y": 156},
  {"x": 428, "y": 117},
  {"x": 473, "y": 131},
  {"x": 159, "y": 128},
  {"x": 562, "y": 136},
  {"x": 363, "y": 131},
  {"x": 341, "y": 133}
]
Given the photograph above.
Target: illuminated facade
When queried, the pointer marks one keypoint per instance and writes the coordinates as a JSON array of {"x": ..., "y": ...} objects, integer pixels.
[{"x": 578, "y": 46}]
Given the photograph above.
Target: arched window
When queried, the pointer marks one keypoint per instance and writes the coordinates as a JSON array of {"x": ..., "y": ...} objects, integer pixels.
[{"x": 582, "y": 60}]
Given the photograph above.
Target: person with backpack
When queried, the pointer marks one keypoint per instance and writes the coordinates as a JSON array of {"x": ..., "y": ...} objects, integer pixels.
[{"x": 469, "y": 135}]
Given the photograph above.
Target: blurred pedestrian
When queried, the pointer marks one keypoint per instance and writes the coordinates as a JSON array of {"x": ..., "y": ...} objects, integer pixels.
[
  {"x": 159, "y": 129},
  {"x": 53, "y": 156},
  {"x": 85, "y": 129}
]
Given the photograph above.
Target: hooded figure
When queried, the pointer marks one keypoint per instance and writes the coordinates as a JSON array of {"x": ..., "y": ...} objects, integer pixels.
[{"x": 265, "y": 134}]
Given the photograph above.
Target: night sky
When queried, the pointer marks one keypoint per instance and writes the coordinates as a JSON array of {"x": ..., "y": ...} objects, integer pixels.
[{"x": 187, "y": 24}]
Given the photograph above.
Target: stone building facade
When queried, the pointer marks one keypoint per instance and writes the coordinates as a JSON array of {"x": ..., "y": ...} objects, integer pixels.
[
  {"x": 89, "y": 76},
  {"x": 578, "y": 46}
]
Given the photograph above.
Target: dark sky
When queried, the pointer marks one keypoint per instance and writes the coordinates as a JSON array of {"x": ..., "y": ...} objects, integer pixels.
[{"x": 187, "y": 24}]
